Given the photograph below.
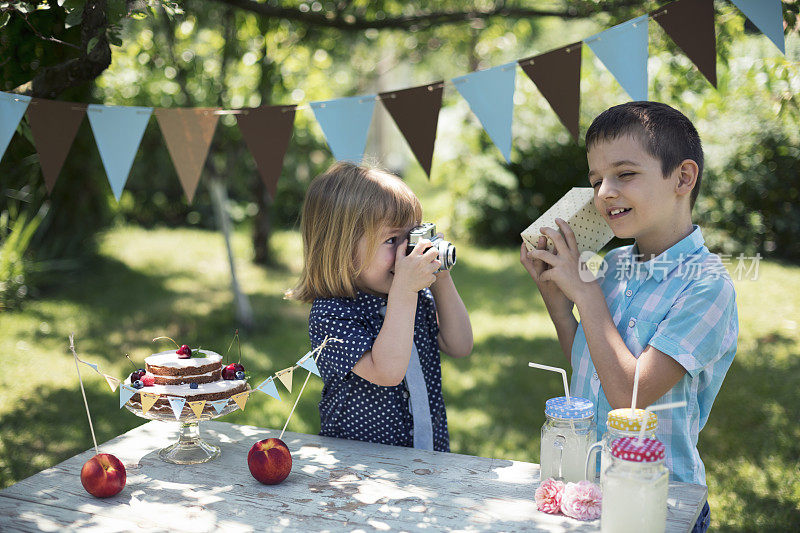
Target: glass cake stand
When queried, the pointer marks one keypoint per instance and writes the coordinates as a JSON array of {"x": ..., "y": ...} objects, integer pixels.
[{"x": 190, "y": 448}]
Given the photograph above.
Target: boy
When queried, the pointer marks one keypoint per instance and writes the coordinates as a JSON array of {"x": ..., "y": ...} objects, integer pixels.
[{"x": 666, "y": 298}]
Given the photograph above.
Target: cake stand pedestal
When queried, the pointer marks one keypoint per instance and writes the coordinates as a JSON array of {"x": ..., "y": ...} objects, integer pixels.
[{"x": 190, "y": 448}]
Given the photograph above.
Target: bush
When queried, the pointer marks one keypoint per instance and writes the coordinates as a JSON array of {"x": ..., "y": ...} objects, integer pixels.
[
  {"x": 752, "y": 205},
  {"x": 500, "y": 209}
]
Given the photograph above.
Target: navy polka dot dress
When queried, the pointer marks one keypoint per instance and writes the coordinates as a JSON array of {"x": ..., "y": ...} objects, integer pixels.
[{"x": 352, "y": 407}]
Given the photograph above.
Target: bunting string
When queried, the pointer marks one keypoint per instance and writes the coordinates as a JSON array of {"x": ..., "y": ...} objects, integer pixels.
[{"x": 345, "y": 121}]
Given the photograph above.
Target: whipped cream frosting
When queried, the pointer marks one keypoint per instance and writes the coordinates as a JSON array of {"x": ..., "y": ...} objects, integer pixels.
[{"x": 171, "y": 359}]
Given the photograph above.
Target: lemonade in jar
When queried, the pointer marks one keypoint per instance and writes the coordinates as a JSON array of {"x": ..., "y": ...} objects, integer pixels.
[{"x": 567, "y": 434}]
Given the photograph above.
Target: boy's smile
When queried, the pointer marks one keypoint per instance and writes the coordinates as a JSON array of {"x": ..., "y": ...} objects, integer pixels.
[{"x": 635, "y": 198}]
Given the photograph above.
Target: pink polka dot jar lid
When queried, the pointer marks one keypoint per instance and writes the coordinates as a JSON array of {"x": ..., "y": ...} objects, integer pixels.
[{"x": 627, "y": 448}]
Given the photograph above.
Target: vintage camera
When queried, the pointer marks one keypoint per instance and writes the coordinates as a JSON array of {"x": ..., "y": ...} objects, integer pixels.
[{"x": 447, "y": 252}]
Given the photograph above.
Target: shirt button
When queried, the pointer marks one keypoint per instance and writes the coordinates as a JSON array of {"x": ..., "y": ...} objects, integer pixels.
[
  {"x": 405, "y": 394},
  {"x": 631, "y": 323},
  {"x": 629, "y": 293},
  {"x": 411, "y": 432},
  {"x": 595, "y": 376}
]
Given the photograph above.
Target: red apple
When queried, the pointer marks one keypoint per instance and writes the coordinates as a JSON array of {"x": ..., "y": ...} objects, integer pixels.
[
  {"x": 103, "y": 475},
  {"x": 270, "y": 461}
]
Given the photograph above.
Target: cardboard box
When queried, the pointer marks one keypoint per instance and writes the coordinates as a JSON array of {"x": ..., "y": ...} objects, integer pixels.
[{"x": 577, "y": 209}]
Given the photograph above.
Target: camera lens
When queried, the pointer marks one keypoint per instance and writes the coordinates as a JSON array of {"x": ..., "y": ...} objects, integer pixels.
[{"x": 447, "y": 254}]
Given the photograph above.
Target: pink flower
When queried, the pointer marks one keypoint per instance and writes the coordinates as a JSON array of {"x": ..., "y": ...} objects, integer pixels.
[
  {"x": 581, "y": 500},
  {"x": 548, "y": 496}
]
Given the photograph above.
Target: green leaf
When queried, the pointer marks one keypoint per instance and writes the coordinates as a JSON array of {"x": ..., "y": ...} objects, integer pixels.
[
  {"x": 114, "y": 34},
  {"x": 4, "y": 18},
  {"x": 92, "y": 43},
  {"x": 74, "y": 17}
]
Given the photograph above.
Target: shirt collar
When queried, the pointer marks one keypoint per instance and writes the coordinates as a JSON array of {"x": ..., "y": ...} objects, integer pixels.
[
  {"x": 370, "y": 302},
  {"x": 661, "y": 265}
]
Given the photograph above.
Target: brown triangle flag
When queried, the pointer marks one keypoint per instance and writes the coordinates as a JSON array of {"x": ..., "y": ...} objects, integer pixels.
[
  {"x": 188, "y": 133},
  {"x": 54, "y": 126},
  {"x": 266, "y": 131},
  {"x": 416, "y": 113},
  {"x": 557, "y": 75},
  {"x": 690, "y": 23}
]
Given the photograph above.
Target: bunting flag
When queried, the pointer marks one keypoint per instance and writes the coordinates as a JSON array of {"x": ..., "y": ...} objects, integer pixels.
[
  {"x": 125, "y": 393},
  {"x": 266, "y": 131},
  {"x": 112, "y": 382},
  {"x": 241, "y": 399},
  {"x": 309, "y": 364},
  {"x": 416, "y": 113},
  {"x": 490, "y": 95},
  {"x": 197, "y": 407},
  {"x": 177, "y": 405},
  {"x": 557, "y": 75},
  {"x": 91, "y": 365},
  {"x": 690, "y": 23},
  {"x": 219, "y": 405},
  {"x": 623, "y": 50},
  {"x": 12, "y": 107},
  {"x": 268, "y": 387},
  {"x": 118, "y": 132},
  {"x": 54, "y": 125},
  {"x": 188, "y": 134},
  {"x": 148, "y": 400},
  {"x": 767, "y": 15},
  {"x": 345, "y": 123},
  {"x": 286, "y": 378}
]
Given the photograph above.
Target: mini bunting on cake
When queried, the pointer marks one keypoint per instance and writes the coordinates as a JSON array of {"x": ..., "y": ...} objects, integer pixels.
[
  {"x": 268, "y": 387},
  {"x": 94, "y": 367},
  {"x": 286, "y": 378},
  {"x": 241, "y": 399},
  {"x": 197, "y": 407},
  {"x": 125, "y": 393},
  {"x": 177, "y": 406},
  {"x": 309, "y": 364},
  {"x": 112, "y": 382},
  {"x": 148, "y": 400},
  {"x": 219, "y": 405}
]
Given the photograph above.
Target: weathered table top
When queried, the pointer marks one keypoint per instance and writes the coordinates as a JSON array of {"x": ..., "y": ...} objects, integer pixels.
[{"x": 334, "y": 485}]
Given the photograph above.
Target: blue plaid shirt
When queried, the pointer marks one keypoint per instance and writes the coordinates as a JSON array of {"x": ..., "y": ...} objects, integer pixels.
[{"x": 682, "y": 303}]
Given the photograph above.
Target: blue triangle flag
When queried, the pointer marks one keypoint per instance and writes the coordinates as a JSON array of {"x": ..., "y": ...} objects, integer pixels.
[
  {"x": 268, "y": 387},
  {"x": 118, "y": 131},
  {"x": 177, "y": 406},
  {"x": 125, "y": 393},
  {"x": 12, "y": 107},
  {"x": 219, "y": 405},
  {"x": 490, "y": 95},
  {"x": 623, "y": 50},
  {"x": 345, "y": 123},
  {"x": 767, "y": 15},
  {"x": 309, "y": 364}
]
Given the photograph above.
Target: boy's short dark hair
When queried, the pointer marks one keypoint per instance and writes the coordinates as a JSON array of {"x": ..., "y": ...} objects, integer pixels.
[{"x": 665, "y": 132}]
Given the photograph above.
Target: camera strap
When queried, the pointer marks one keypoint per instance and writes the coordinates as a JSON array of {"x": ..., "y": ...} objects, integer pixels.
[{"x": 418, "y": 400}]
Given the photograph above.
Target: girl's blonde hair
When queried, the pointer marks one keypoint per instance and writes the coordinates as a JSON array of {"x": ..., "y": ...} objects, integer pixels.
[{"x": 342, "y": 205}]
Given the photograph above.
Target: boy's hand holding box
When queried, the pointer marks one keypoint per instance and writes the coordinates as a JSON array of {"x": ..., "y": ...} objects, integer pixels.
[{"x": 577, "y": 209}]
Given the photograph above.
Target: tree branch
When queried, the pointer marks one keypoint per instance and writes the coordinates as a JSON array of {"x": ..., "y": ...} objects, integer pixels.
[
  {"x": 339, "y": 20},
  {"x": 53, "y": 80}
]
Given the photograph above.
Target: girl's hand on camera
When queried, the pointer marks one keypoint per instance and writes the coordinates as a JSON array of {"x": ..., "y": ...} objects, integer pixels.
[{"x": 415, "y": 271}]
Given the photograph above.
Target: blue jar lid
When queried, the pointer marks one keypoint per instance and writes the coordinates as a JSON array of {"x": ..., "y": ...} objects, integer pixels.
[{"x": 577, "y": 407}]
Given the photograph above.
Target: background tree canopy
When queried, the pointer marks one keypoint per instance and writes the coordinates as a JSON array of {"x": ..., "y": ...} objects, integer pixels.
[{"x": 235, "y": 53}]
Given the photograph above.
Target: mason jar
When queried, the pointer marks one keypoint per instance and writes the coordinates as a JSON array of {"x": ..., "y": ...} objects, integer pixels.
[
  {"x": 567, "y": 434},
  {"x": 635, "y": 487},
  {"x": 624, "y": 422}
]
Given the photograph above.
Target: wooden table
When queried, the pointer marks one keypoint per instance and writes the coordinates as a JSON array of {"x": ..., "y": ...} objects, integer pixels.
[{"x": 334, "y": 485}]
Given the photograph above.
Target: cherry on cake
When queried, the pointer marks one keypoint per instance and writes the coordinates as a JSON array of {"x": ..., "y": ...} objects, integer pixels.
[{"x": 195, "y": 378}]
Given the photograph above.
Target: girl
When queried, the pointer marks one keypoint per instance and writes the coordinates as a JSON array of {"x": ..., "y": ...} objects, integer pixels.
[{"x": 393, "y": 312}]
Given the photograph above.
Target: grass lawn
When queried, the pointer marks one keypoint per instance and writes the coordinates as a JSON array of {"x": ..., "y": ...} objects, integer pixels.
[{"x": 175, "y": 282}]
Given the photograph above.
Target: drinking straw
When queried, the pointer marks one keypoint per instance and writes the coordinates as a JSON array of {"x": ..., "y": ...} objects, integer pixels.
[
  {"x": 555, "y": 369},
  {"x": 91, "y": 428},
  {"x": 651, "y": 408},
  {"x": 635, "y": 385}
]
